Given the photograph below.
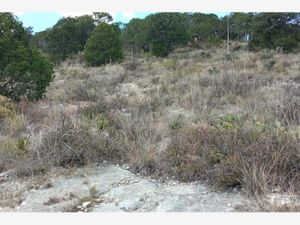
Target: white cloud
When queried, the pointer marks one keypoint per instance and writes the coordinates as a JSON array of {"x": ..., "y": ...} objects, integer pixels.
[
  {"x": 18, "y": 13},
  {"x": 74, "y": 14},
  {"x": 128, "y": 15}
]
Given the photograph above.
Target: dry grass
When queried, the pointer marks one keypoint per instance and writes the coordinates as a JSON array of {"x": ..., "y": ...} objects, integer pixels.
[
  {"x": 289, "y": 109},
  {"x": 245, "y": 157},
  {"x": 230, "y": 120}
]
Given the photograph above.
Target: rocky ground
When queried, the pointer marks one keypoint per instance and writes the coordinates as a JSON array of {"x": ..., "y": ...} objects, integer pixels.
[{"x": 110, "y": 188}]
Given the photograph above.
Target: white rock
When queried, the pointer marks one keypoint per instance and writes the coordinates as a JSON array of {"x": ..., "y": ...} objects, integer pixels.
[
  {"x": 129, "y": 205},
  {"x": 85, "y": 204},
  {"x": 23, "y": 203},
  {"x": 98, "y": 200}
]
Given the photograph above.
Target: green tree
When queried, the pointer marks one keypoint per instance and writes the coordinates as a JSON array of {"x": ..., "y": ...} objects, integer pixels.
[
  {"x": 204, "y": 27},
  {"x": 166, "y": 32},
  {"x": 68, "y": 36},
  {"x": 62, "y": 39},
  {"x": 240, "y": 25},
  {"x": 39, "y": 40},
  {"x": 84, "y": 27},
  {"x": 135, "y": 35},
  {"x": 272, "y": 30},
  {"x": 104, "y": 45},
  {"x": 102, "y": 17},
  {"x": 24, "y": 71}
]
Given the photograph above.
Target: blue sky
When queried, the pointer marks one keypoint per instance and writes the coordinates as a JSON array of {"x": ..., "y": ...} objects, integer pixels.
[{"x": 42, "y": 20}]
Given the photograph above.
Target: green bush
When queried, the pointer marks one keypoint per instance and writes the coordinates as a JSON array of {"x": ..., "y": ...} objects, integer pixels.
[
  {"x": 166, "y": 32},
  {"x": 24, "y": 71},
  {"x": 275, "y": 30},
  {"x": 103, "y": 46},
  {"x": 288, "y": 44}
]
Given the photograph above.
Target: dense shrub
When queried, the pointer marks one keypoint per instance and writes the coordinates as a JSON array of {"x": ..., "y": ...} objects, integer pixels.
[
  {"x": 24, "y": 71},
  {"x": 275, "y": 30},
  {"x": 66, "y": 38},
  {"x": 166, "y": 31},
  {"x": 254, "y": 158},
  {"x": 259, "y": 164},
  {"x": 237, "y": 84},
  {"x": 192, "y": 153},
  {"x": 288, "y": 111},
  {"x": 103, "y": 46}
]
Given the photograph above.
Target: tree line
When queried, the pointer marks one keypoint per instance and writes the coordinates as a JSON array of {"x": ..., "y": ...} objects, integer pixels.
[
  {"x": 161, "y": 33},
  {"x": 26, "y": 59}
]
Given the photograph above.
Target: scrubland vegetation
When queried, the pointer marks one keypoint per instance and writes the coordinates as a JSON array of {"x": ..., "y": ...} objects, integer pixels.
[{"x": 232, "y": 121}]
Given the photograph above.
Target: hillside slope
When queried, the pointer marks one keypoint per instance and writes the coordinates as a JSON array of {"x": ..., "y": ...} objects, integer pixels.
[{"x": 229, "y": 121}]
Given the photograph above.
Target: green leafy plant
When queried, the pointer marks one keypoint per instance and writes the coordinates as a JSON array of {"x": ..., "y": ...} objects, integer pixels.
[
  {"x": 228, "y": 122},
  {"x": 102, "y": 122},
  {"x": 104, "y": 45},
  {"x": 24, "y": 71}
]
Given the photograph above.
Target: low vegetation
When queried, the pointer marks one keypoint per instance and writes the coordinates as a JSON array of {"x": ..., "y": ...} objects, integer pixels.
[
  {"x": 236, "y": 127},
  {"x": 232, "y": 121}
]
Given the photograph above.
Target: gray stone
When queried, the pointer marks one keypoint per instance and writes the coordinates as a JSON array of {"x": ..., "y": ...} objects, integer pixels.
[
  {"x": 119, "y": 190},
  {"x": 129, "y": 205},
  {"x": 110, "y": 207}
]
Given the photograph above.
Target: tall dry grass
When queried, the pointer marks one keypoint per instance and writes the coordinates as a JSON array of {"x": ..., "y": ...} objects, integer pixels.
[{"x": 201, "y": 115}]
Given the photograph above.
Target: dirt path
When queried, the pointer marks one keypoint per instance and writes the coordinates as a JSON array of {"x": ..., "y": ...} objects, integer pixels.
[{"x": 109, "y": 188}]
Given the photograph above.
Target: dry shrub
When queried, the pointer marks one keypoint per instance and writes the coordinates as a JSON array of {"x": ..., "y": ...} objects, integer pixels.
[
  {"x": 266, "y": 54},
  {"x": 159, "y": 101},
  {"x": 289, "y": 109},
  {"x": 92, "y": 89},
  {"x": 76, "y": 59},
  {"x": 238, "y": 84},
  {"x": 35, "y": 113},
  {"x": 7, "y": 150},
  {"x": 15, "y": 125},
  {"x": 131, "y": 65},
  {"x": 67, "y": 144},
  {"x": 192, "y": 153},
  {"x": 259, "y": 164},
  {"x": 199, "y": 101},
  {"x": 290, "y": 206},
  {"x": 64, "y": 144},
  {"x": 92, "y": 110},
  {"x": 296, "y": 78},
  {"x": 254, "y": 159},
  {"x": 133, "y": 139},
  {"x": 12, "y": 151},
  {"x": 130, "y": 134},
  {"x": 7, "y": 107}
]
